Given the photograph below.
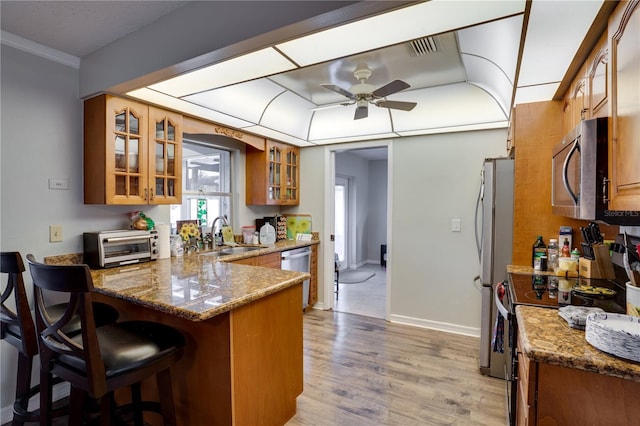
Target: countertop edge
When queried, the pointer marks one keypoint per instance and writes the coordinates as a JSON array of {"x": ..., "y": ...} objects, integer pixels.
[{"x": 544, "y": 335}]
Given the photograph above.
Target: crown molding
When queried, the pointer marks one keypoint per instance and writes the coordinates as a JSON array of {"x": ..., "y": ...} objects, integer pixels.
[{"x": 38, "y": 49}]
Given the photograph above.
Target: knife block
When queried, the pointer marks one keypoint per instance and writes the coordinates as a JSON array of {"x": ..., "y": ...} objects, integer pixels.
[{"x": 600, "y": 267}]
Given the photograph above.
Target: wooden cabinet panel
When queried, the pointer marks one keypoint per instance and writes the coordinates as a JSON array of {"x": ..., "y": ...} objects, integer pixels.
[
  {"x": 273, "y": 175},
  {"x": 598, "y": 81},
  {"x": 313, "y": 282},
  {"x": 624, "y": 147},
  {"x": 527, "y": 380},
  {"x": 132, "y": 153},
  {"x": 271, "y": 260},
  {"x": 538, "y": 130},
  {"x": 567, "y": 396}
]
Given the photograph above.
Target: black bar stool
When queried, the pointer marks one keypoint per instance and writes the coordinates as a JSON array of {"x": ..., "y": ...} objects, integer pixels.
[
  {"x": 100, "y": 360},
  {"x": 18, "y": 329}
]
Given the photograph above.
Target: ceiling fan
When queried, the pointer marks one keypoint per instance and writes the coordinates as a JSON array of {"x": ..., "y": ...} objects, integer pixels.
[{"x": 363, "y": 94}]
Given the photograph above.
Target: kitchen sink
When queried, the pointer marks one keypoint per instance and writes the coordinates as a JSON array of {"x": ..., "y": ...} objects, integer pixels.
[
  {"x": 237, "y": 250},
  {"x": 228, "y": 251}
]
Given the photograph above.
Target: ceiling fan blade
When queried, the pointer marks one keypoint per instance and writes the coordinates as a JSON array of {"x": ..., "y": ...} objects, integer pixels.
[
  {"x": 327, "y": 106},
  {"x": 340, "y": 90},
  {"x": 404, "y": 106},
  {"x": 361, "y": 112},
  {"x": 391, "y": 88}
]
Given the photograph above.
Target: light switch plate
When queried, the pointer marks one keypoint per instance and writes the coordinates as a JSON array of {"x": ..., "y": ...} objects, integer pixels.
[
  {"x": 58, "y": 183},
  {"x": 456, "y": 225},
  {"x": 55, "y": 233}
]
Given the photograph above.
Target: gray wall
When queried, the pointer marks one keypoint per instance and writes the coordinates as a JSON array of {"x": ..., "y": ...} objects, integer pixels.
[{"x": 377, "y": 223}]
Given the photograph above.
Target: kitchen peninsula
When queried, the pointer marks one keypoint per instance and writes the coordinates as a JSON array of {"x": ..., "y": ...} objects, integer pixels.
[{"x": 242, "y": 363}]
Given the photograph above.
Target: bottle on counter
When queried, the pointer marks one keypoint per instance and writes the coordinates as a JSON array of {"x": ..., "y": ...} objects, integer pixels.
[
  {"x": 539, "y": 249},
  {"x": 566, "y": 249},
  {"x": 575, "y": 254},
  {"x": 553, "y": 253}
]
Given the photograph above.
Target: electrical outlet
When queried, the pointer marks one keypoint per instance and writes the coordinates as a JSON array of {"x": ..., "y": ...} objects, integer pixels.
[
  {"x": 456, "y": 225},
  {"x": 55, "y": 233}
]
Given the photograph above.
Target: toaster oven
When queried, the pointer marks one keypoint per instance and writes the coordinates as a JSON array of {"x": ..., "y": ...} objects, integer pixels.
[{"x": 108, "y": 249}]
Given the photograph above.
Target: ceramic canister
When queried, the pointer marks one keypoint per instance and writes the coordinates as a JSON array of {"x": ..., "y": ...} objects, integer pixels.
[{"x": 633, "y": 300}]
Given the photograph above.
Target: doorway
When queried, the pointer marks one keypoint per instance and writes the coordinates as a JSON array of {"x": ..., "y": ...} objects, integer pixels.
[{"x": 360, "y": 229}]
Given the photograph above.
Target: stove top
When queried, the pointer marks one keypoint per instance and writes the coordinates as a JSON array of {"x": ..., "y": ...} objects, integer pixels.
[{"x": 553, "y": 292}]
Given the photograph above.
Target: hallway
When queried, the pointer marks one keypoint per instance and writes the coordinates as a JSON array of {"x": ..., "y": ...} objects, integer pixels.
[{"x": 367, "y": 298}]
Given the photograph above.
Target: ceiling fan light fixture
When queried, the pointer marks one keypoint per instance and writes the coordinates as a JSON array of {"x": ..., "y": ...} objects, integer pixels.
[{"x": 362, "y": 72}]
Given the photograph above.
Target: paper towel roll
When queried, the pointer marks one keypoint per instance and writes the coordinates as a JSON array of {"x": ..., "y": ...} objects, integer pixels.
[{"x": 164, "y": 240}]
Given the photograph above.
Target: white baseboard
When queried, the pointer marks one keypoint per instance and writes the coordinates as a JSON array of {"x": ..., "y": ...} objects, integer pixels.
[
  {"x": 59, "y": 391},
  {"x": 436, "y": 325}
]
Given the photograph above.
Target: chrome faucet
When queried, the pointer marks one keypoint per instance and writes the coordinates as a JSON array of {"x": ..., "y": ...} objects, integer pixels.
[{"x": 225, "y": 222}]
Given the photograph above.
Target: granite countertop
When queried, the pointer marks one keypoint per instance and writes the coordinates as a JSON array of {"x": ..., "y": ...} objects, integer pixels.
[
  {"x": 548, "y": 338},
  {"x": 196, "y": 286}
]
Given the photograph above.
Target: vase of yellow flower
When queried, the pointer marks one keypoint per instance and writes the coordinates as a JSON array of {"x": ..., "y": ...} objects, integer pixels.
[{"x": 190, "y": 234}]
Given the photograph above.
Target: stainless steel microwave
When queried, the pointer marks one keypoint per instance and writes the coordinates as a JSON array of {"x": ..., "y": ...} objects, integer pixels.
[
  {"x": 580, "y": 175},
  {"x": 107, "y": 249}
]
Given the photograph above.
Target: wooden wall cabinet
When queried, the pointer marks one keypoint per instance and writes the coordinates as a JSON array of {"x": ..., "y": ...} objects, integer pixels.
[
  {"x": 624, "y": 145},
  {"x": 273, "y": 175},
  {"x": 132, "y": 153}
]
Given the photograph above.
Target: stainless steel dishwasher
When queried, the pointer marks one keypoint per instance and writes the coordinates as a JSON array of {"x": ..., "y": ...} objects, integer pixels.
[{"x": 298, "y": 260}]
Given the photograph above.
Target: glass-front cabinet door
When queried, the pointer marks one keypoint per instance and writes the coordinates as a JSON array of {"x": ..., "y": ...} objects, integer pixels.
[
  {"x": 165, "y": 148},
  {"x": 126, "y": 152},
  {"x": 275, "y": 168},
  {"x": 291, "y": 193}
]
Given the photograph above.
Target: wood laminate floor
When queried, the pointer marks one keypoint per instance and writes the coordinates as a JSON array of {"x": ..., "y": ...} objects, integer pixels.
[
  {"x": 360, "y": 370},
  {"x": 366, "y": 371}
]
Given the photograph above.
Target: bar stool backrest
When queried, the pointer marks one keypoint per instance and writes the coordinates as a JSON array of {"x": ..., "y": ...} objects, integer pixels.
[
  {"x": 76, "y": 281},
  {"x": 16, "y": 325}
]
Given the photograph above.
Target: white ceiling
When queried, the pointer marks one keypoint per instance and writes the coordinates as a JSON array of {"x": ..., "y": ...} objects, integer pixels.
[{"x": 470, "y": 83}]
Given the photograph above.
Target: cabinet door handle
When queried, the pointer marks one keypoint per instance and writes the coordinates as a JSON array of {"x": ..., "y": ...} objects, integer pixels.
[
  {"x": 151, "y": 195},
  {"x": 145, "y": 194}
]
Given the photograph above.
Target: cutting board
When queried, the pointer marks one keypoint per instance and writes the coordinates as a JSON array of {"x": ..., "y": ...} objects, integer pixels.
[{"x": 298, "y": 224}]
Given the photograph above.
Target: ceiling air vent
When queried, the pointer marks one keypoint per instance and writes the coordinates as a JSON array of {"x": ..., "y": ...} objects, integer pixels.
[{"x": 425, "y": 45}]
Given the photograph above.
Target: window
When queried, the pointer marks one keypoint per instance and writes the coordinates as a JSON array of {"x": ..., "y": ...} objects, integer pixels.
[{"x": 206, "y": 180}]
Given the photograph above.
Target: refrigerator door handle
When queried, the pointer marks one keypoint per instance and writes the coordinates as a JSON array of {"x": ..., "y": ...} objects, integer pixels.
[{"x": 477, "y": 279}]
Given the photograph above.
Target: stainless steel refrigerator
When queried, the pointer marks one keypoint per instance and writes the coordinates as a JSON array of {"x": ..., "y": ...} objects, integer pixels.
[{"x": 494, "y": 235}]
